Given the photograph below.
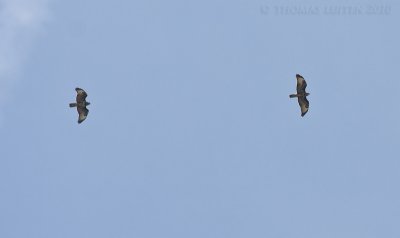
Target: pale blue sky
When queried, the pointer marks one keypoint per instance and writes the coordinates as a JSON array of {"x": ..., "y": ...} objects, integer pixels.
[{"x": 191, "y": 132}]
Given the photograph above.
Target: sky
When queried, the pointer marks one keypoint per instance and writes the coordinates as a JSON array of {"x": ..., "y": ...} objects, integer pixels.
[{"x": 191, "y": 132}]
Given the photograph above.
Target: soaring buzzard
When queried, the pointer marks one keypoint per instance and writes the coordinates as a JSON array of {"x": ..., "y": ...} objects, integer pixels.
[
  {"x": 81, "y": 104},
  {"x": 301, "y": 94}
]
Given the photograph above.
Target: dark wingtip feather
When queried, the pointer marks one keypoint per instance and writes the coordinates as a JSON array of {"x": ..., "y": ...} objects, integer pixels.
[{"x": 299, "y": 76}]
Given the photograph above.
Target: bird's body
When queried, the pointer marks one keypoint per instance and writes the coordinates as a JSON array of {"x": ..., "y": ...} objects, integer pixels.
[
  {"x": 81, "y": 104},
  {"x": 301, "y": 94}
]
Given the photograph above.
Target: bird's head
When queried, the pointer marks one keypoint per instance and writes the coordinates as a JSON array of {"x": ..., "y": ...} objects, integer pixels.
[
  {"x": 307, "y": 94},
  {"x": 87, "y": 103}
]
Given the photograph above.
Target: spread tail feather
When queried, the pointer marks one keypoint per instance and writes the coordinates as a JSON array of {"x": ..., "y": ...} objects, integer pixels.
[
  {"x": 293, "y": 95},
  {"x": 72, "y": 105}
]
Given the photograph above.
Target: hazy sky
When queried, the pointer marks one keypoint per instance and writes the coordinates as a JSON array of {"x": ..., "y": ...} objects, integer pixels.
[{"x": 191, "y": 133}]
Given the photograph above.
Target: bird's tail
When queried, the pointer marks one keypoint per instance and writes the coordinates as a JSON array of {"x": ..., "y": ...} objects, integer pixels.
[
  {"x": 72, "y": 105},
  {"x": 293, "y": 95}
]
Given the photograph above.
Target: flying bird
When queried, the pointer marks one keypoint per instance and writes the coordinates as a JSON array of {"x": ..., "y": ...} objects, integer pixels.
[
  {"x": 81, "y": 104},
  {"x": 301, "y": 94}
]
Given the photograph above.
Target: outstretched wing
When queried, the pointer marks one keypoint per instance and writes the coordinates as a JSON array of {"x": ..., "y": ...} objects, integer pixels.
[
  {"x": 83, "y": 112},
  {"x": 304, "y": 104},
  {"x": 301, "y": 84},
  {"x": 81, "y": 95}
]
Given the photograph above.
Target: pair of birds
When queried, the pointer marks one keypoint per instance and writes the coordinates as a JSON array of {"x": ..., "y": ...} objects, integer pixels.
[{"x": 301, "y": 95}]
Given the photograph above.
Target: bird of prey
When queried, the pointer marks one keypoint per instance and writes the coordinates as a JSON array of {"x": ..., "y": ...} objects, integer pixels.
[
  {"x": 301, "y": 94},
  {"x": 81, "y": 104}
]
